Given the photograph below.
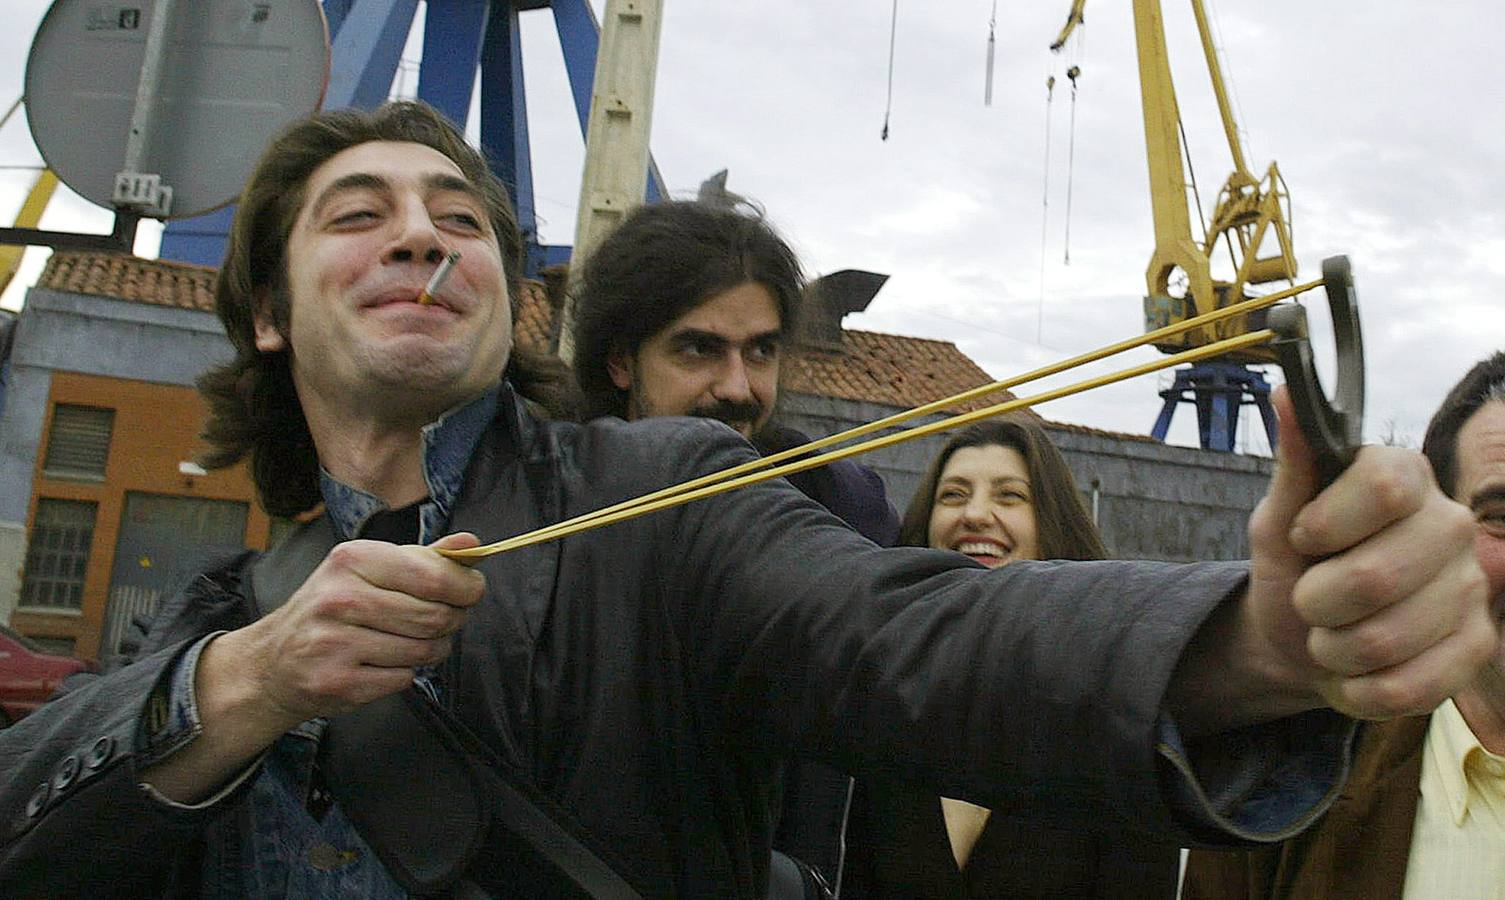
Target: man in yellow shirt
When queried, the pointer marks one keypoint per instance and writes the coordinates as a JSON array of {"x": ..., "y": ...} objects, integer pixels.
[{"x": 1385, "y": 837}]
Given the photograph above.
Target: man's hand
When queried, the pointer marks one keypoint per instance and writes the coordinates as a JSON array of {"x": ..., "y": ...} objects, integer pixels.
[
  {"x": 1366, "y": 598},
  {"x": 367, "y": 617},
  {"x": 1371, "y": 592}
]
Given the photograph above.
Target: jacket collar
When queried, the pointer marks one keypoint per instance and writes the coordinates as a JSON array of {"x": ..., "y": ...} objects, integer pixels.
[{"x": 448, "y": 444}]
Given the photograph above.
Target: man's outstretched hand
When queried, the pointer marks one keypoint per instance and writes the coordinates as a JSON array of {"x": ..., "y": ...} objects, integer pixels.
[{"x": 1365, "y": 597}]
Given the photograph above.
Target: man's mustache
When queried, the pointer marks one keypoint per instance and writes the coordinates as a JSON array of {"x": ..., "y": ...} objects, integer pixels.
[{"x": 731, "y": 412}]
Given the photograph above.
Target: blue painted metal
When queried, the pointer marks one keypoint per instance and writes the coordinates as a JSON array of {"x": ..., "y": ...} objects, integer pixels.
[
  {"x": 580, "y": 40},
  {"x": 1167, "y": 410},
  {"x": 452, "y": 36},
  {"x": 1218, "y": 391},
  {"x": 199, "y": 240},
  {"x": 364, "y": 55},
  {"x": 335, "y": 12},
  {"x": 541, "y": 256},
  {"x": 504, "y": 118}
]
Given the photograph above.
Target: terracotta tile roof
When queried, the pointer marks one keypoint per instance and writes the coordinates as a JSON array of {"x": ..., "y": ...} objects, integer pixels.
[
  {"x": 889, "y": 369},
  {"x": 532, "y": 318},
  {"x": 126, "y": 277},
  {"x": 1099, "y": 432}
]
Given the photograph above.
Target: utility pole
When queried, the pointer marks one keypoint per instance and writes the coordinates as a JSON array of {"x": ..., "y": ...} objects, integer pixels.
[{"x": 616, "y": 141}]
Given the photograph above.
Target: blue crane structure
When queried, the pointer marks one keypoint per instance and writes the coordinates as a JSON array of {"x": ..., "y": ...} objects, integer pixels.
[
  {"x": 1219, "y": 391},
  {"x": 460, "y": 39}
]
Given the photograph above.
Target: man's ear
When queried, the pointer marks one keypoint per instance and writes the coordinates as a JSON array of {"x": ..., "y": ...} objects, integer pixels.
[
  {"x": 269, "y": 338},
  {"x": 619, "y": 367}
]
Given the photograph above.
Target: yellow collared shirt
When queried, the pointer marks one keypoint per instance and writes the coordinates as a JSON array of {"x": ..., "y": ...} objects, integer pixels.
[{"x": 1458, "y": 841}]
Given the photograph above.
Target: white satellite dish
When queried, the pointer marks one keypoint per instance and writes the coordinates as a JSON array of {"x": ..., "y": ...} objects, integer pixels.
[{"x": 230, "y": 74}]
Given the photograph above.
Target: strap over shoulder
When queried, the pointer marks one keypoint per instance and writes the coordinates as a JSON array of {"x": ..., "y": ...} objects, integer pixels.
[
  {"x": 411, "y": 794},
  {"x": 284, "y": 568},
  {"x": 425, "y": 793}
]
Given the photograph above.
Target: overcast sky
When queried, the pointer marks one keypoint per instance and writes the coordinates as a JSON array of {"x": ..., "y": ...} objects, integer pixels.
[{"x": 1383, "y": 116}]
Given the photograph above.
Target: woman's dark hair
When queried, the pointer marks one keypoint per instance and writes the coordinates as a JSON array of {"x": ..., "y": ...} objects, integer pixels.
[
  {"x": 1063, "y": 527},
  {"x": 253, "y": 407},
  {"x": 662, "y": 261},
  {"x": 1483, "y": 383}
]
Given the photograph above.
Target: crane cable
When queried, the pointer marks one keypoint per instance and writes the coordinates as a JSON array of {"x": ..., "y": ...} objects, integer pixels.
[
  {"x": 1071, "y": 73},
  {"x": 987, "y": 90},
  {"x": 12, "y": 111},
  {"x": 1050, "y": 93},
  {"x": 893, "y": 30},
  {"x": 1196, "y": 192}
]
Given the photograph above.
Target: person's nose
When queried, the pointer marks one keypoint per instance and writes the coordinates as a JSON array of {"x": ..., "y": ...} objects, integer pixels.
[
  {"x": 732, "y": 383},
  {"x": 415, "y": 237},
  {"x": 978, "y": 512}
]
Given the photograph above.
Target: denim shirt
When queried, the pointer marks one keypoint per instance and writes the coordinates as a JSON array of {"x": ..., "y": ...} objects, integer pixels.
[{"x": 294, "y": 841}]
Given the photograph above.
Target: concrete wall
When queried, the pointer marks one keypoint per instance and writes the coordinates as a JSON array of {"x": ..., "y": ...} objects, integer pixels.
[
  {"x": 7, "y": 329},
  {"x": 1153, "y": 501},
  {"x": 91, "y": 335},
  {"x": 1162, "y": 502}
]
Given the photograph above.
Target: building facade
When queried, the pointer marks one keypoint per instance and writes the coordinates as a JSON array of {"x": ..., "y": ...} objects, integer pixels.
[{"x": 102, "y": 509}]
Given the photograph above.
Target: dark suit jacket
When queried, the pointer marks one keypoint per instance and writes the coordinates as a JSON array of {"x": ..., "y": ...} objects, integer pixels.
[
  {"x": 652, "y": 677},
  {"x": 815, "y": 795},
  {"x": 1358, "y": 851}
]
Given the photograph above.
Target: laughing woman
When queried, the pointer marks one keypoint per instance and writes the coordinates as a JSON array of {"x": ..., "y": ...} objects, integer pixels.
[{"x": 998, "y": 492}]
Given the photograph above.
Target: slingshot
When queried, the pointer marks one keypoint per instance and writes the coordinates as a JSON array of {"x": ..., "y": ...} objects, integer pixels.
[{"x": 1332, "y": 427}]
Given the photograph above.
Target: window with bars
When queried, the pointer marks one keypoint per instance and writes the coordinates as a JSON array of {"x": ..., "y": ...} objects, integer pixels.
[
  {"x": 58, "y": 555},
  {"x": 78, "y": 445}
]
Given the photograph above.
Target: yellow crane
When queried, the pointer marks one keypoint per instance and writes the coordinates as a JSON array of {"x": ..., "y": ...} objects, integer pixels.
[
  {"x": 29, "y": 216},
  {"x": 1249, "y": 211}
]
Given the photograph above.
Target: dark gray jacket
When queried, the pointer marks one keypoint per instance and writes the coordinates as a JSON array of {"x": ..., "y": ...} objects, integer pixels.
[{"x": 650, "y": 677}]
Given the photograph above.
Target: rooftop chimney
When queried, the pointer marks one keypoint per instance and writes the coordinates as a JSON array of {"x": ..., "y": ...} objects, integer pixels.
[{"x": 828, "y": 300}]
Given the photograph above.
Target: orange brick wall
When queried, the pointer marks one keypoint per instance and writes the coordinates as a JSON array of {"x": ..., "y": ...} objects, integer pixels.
[{"x": 156, "y": 427}]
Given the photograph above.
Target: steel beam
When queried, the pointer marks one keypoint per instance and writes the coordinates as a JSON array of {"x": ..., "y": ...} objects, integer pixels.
[
  {"x": 504, "y": 116},
  {"x": 453, "y": 31}
]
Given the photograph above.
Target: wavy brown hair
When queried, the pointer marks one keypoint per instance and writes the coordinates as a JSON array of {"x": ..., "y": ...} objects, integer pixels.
[
  {"x": 662, "y": 261},
  {"x": 1062, "y": 524},
  {"x": 1484, "y": 383},
  {"x": 253, "y": 407}
]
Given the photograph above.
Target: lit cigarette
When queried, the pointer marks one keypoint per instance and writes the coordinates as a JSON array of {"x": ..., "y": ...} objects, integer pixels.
[{"x": 441, "y": 275}]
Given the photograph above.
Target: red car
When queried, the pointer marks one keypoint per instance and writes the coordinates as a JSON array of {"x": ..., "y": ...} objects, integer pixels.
[{"x": 28, "y": 676}]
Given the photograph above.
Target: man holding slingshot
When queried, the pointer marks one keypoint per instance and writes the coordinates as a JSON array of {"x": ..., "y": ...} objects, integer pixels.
[{"x": 353, "y": 716}]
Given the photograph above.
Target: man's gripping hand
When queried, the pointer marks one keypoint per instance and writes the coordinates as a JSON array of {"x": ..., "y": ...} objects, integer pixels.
[
  {"x": 367, "y": 617},
  {"x": 1365, "y": 597},
  {"x": 356, "y": 630},
  {"x": 1370, "y": 592}
]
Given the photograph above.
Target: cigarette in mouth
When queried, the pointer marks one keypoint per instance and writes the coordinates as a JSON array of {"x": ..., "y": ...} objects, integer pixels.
[{"x": 441, "y": 275}]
